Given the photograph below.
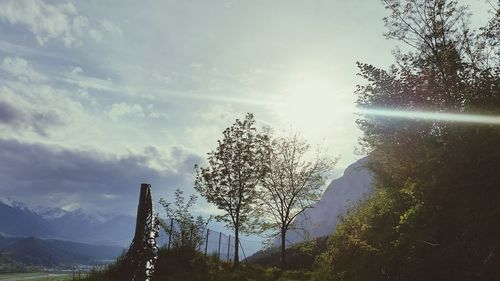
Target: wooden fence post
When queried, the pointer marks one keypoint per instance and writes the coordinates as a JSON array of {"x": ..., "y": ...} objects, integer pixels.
[
  {"x": 206, "y": 242},
  {"x": 228, "y": 248},
  {"x": 171, "y": 231},
  {"x": 218, "y": 249}
]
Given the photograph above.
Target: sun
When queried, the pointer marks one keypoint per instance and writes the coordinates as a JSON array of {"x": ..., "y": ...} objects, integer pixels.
[{"x": 310, "y": 103}]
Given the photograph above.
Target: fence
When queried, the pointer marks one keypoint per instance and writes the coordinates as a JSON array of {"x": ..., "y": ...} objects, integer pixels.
[{"x": 211, "y": 242}]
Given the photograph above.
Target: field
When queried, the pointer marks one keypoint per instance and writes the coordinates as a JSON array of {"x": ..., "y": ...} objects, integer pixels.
[{"x": 35, "y": 276}]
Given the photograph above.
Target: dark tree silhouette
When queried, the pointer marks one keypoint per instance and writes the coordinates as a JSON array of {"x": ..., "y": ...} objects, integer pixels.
[{"x": 433, "y": 215}]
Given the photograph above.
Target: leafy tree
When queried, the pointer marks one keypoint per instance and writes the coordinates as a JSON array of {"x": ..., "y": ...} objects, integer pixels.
[
  {"x": 292, "y": 183},
  {"x": 187, "y": 232},
  {"x": 231, "y": 178},
  {"x": 432, "y": 216}
]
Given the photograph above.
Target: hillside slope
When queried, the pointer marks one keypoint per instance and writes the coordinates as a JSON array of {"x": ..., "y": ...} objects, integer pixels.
[{"x": 354, "y": 186}]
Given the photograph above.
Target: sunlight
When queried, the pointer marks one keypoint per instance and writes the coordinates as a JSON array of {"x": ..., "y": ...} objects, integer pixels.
[
  {"x": 310, "y": 103},
  {"x": 435, "y": 116}
]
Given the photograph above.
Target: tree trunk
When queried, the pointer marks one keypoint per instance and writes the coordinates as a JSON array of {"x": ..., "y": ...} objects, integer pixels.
[
  {"x": 283, "y": 249},
  {"x": 236, "y": 248}
]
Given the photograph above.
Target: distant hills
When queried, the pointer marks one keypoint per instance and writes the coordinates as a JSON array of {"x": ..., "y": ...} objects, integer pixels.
[
  {"x": 32, "y": 251},
  {"x": 18, "y": 220},
  {"x": 42, "y": 237}
]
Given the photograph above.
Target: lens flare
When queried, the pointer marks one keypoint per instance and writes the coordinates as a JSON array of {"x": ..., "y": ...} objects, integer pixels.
[{"x": 434, "y": 116}]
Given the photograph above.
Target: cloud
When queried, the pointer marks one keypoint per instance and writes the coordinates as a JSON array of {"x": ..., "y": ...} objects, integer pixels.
[
  {"x": 53, "y": 176},
  {"x": 105, "y": 28},
  {"x": 8, "y": 114},
  {"x": 37, "y": 110},
  {"x": 44, "y": 20},
  {"x": 30, "y": 104},
  {"x": 76, "y": 76},
  {"x": 111, "y": 28},
  {"x": 16, "y": 49},
  {"x": 123, "y": 109},
  {"x": 21, "y": 69},
  {"x": 118, "y": 110},
  {"x": 27, "y": 105},
  {"x": 220, "y": 113},
  {"x": 211, "y": 120},
  {"x": 54, "y": 22},
  {"x": 23, "y": 116}
]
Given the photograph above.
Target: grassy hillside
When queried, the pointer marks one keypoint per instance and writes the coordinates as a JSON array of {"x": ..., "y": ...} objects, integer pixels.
[
  {"x": 301, "y": 256},
  {"x": 177, "y": 265}
]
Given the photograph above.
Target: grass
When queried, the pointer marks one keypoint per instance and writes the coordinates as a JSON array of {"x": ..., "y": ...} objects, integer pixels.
[
  {"x": 35, "y": 276},
  {"x": 180, "y": 265}
]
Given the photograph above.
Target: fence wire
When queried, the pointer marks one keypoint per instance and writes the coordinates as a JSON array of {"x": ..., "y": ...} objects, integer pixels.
[{"x": 211, "y": 242}]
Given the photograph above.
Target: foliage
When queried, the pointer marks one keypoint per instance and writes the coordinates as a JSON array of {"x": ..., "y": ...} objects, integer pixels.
[
  {"x": 300, "y": 256},
  {"x": 183, "y": 264},
  {"x": 194, "y": 266},
  {"x": 292, "y": 183},
  {"x": 113, "y": 272},
  {"x": 185, "y": 231},
  {"x": 434, "y": 213},
  {"x": 354, "y": 251},
  {"x": 231, "y": 178}
]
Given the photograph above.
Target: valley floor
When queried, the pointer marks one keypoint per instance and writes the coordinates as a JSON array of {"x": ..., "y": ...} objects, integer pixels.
[{"x": 34, "y": 276}]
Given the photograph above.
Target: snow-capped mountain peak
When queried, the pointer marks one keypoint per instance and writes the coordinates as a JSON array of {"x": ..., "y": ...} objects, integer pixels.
[
  {"x": 50, "y": 213},
  {"x": 15, "y": 204},
  {"x": 92, "y": 217}
]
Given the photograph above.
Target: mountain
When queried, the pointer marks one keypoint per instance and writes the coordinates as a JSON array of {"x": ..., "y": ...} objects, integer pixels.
[
  {"x": 355, "y": 185},
  {"x": 16, "y": 219},
  {"x": 19, "y": 221},
  {"x": 49, "y": 213},
  {"x": 94, "y": 228},
  {"x": 118, "y": 230},
  {"x": 48, "y": 252}
]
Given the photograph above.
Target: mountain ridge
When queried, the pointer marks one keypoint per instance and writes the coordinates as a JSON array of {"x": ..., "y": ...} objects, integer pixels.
[
  {"x": 18, "y": 220},
  {"x": 31, "y": 251}
]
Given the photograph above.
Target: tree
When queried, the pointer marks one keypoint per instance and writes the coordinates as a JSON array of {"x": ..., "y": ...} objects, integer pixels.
[
  {"x": 432, "y": 215},
  {"x": 231, "y": 178},
  {"x": 291, "y": 184},
  {"x": 186, "y": 232}
]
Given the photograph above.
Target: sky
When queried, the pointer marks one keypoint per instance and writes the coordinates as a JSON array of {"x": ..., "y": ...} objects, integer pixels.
[{"x": 98, "y": 96}]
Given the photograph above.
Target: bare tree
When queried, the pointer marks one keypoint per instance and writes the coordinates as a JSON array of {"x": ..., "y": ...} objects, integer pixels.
[{"x": 292, "y": 183}]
